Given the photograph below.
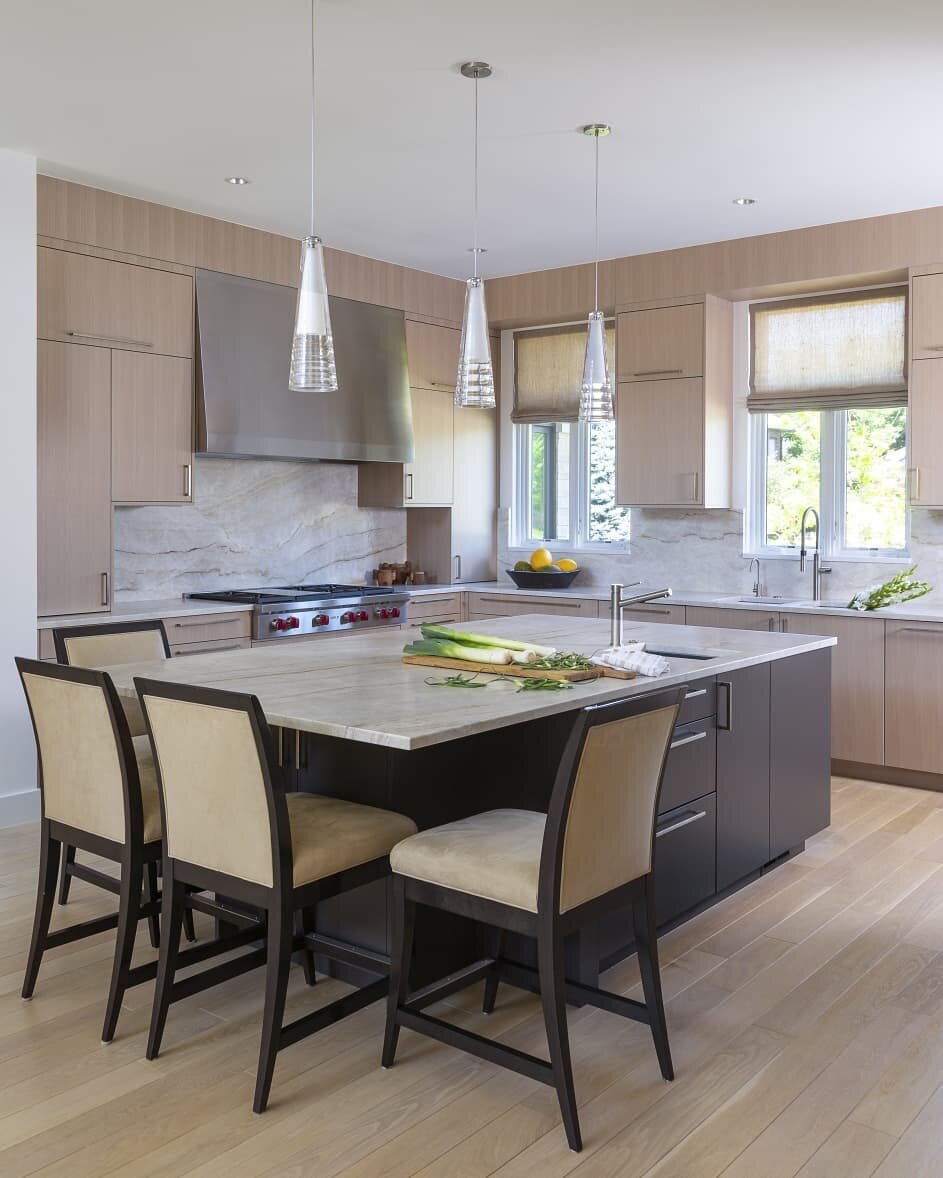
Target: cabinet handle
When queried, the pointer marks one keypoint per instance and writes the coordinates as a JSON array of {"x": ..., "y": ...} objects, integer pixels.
[
  {"x": 771, "y": 624},
  {"x": 933, "y": 347},
  {"x": 727, "y": 725},
  {"x": 920, "y": 630},
  {"x": 446, "y": 601},
  {"x": 178, "y": 654},
  {"x": 202, "y": 622},
  {"x": 440, "y": 622},
  {"x": 783, "y": 625},
  {"x": 409, "y": 486},
  {"x": 914, "y": 473},
  {"x": 458, "y": 567},
  {"x": 685, "y": 819},
  {"x": 697, "y": 485},
  {"x": 641, "y": 609},
  {"x": 694, "y": 694},
  {"x": 112, "y": 339},
  {"x": 440, "y": 384},
  {"x": 660, "y": 372},
  {"x": 106, "y": 593},
  {"x": 690, "y": 738},
  {"x": 187, "y": 479}
]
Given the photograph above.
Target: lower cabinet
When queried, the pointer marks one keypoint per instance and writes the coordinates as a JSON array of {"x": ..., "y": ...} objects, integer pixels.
[
  {"x": 732, "y": 619},
  {"x": 914, "y": 687},
  {"x": 743, "y": 779},
  {"x": 685, "y": 857}
]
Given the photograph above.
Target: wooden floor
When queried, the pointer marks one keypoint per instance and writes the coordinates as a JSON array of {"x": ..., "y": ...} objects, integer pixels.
[{"x": 806, "y": 1017}]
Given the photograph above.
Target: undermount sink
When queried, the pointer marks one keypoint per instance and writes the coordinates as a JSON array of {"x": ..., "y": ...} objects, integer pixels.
[{"x": 776, "y": 599}]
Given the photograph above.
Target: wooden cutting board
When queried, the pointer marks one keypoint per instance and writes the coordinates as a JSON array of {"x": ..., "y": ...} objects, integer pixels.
[{"x": 514, "y": 669}]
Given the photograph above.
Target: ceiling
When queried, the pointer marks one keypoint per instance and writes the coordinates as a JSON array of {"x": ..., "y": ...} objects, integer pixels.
[{"x": 822, "y": 110}]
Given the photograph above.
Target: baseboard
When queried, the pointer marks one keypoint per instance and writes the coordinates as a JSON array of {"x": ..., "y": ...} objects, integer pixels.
[
  {"x": 15, "y": 809},
  {"x": 889, "y": 774}
]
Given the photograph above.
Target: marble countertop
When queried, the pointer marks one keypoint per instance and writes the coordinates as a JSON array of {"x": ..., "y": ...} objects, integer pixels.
[
  {"x": 357, "y": 688},
  {"x": 134, "y": 611}
]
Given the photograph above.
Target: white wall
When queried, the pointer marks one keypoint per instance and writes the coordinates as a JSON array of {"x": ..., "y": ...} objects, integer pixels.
[{"x": 19, "y": 798}]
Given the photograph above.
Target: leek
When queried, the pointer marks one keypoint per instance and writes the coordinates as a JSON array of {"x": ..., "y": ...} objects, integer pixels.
[
  {"x": 442, "y": 648},
  {"x": 464, "y": 638}
]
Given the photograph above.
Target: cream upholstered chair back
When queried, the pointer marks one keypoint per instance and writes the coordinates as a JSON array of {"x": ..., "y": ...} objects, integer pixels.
[
  {"x": 601, "y": 825},
  {"x": 111, "y": 645},
  {"x": 86, "y": 760},
  {"x": 222, "y": 799}
]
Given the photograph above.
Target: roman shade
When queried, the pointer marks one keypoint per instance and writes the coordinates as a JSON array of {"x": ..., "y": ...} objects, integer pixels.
[
  {"x": 548, "y": 373},
  {"x": 837, "y": 351}
]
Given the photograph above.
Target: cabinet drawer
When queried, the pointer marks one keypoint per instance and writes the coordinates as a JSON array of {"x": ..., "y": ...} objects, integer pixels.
[
  {"x": 653, "y": 612},
  {"x": 685, "y": 857},
  {"x": 700, "y": 701},
  {"x": 412, "y": 627},
  {"x": 186, "y": 648},
  {"x": 207, "y": 627},
  {"x": 691, "y": 769},
  {"x": 435, "y": 605},
  {"x": 500, "y": 605},
  {"x": 45, "y": 646}
]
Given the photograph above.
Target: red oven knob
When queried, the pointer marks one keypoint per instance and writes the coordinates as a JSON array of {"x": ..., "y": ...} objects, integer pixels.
[
  {"x": 292, "y": 623},
  {"x": 394, "y": 612},
  {"x": 363, "y": 616},
  {"x": 278, "y": 624},
  {"x": 383, "y": 613},
  {"x": 320, "y": 620},
  {"x": 348, "y": 617}
]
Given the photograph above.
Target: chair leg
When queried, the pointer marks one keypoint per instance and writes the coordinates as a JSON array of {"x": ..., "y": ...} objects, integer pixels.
[
  {"x": 402, "y": 925},
  {"x": 553, "y": 996},
  {"x": 65, "y": 879},
  {"x": 172, "y": 910},
  {"x": 129, "y": 911},
  {"x": 493, "y": 978},
  {"x": 188, "y": 930},
  {"x": 45, "y": 897},
  {"x": 277, "y": 964},
  {"x": 150, "y": 894},
  {"x": 646, "y": 943},
  {"x": 309, "y": 925}
]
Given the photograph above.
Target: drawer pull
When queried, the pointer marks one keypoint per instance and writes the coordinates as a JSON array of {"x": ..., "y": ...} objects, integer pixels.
[
  {"x": 529, "y": 601},
  {"x": 440, "y": 622},
  {"x": 202, "y": 622},
  {"x": 690, "y": 738},
  {"x": 112, "y": 339},
  {"x": 206, "y": 650},
  {"x": 686, "y": 819},
  {"x": 921, "y": 630},
  {"x": 660, "y": 372},
  {"x": 694, "y": 694},
  {"x": 446, "y": 601},
  {"x": 727, "y": 725},
  {"x": 642, "y": 609},
  {"x": 933, "y": 347},
  {"x": 187, "y": 479}
]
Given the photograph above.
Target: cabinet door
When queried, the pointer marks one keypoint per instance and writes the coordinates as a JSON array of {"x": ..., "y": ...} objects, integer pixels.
[
  {"x": 432, "y": 355},
  {"x": 857, "y": 682},
  {"x": 672, "y": 615},
  {"x": 427, "y": 480},
  {"x": 114, "y": 304},
  {"x": 926, "y": 316},
  {"x": 73, "y": 477},
  {"x": 151, "y": 428},
  {"x": 743, "y": 721},
  {"x": 661, "y": 343},
  {"x": 474, "y": 502},
  {"x": 732, "y": 619},
  {"x": 660, "y": 443},
  {"x": 913, "y": 689},
  {"x": 925, "y": 433}
]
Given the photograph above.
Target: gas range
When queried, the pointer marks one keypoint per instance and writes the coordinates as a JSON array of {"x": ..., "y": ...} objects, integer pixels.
[{"x": 296, "y": 611}]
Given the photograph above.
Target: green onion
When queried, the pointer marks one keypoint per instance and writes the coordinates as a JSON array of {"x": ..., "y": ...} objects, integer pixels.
[
  {"x": 456, "y": 681},
  {"x": 464, "y": 638}
]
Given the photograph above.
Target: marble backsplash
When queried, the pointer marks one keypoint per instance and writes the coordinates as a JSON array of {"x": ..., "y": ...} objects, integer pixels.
[
  {"x": 254, "y": 522},
  {"x": 702, "y": 551}
]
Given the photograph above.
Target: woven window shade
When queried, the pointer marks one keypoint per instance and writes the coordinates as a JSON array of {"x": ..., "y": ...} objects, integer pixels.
[
  {"x": 829, "y": 352},
  {"x": 548, "y": 372}
]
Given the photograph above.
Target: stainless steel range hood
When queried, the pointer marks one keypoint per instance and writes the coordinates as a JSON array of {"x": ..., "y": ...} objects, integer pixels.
[{"x": 244, "y": 406}]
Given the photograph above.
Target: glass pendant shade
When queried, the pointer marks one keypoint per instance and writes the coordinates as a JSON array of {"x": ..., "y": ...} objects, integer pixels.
[
  {"x": 312, "y": 346},
  {"x": 596, "y": 390},
  {"x": 474, "y": 385}
]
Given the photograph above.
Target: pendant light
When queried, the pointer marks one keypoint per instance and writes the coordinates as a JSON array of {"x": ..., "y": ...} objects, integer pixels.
[
  {"x": 312, "y": 345},
  {"x": 596, "y": 389},
  {"x": 474, "y": 384}
]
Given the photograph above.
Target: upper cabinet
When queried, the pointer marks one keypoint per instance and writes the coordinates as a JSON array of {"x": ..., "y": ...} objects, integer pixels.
[
  {"x": 151, "y": 428},
  {"x": 926, "y": 317},
  {"x": 925, "y": 392},
  {"x": 88, "y": 300},
  {"x": 674, "y": 405},
  {"x": 432, "y": 355}
]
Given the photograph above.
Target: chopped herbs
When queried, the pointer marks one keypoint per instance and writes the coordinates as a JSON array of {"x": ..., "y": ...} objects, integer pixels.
[{"x": 563, "y": 662}]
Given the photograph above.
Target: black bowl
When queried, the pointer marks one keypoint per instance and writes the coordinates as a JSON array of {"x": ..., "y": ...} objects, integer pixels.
[{"x": 543, "y": 580}]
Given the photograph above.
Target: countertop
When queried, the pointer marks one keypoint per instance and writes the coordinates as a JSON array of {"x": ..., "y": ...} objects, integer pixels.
[
  {"x": 358, "y": 688},
  {"x": 134, "y": 611}
]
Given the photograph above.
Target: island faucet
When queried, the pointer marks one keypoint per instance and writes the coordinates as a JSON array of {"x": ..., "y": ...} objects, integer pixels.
[
  {"x": 617, "y": 604},
  {"x": 817, "y": 568}
]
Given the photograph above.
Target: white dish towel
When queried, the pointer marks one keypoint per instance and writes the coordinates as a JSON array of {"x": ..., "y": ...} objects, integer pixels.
[{"x": 632, "y": 656}]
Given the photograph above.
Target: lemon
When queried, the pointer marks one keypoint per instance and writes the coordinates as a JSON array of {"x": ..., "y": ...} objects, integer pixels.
[
  {"x": 540, "y": 558},
  {"x": 565, "y": 565},
  {"x": 522, "y": 567}
]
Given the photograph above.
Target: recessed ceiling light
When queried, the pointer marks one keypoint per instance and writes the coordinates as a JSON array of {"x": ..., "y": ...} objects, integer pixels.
[
  {"x": 744, "y": 200},
  {"x": 238, "y": 180}
]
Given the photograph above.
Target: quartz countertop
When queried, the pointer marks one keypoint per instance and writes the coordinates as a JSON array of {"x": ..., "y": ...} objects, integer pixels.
[
  {"x": 135, "y": 611},
  {"x": 357, "y": 688}
]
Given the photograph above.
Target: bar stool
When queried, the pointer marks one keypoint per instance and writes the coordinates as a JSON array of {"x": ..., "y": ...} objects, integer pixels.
[
  {"x": 230, "y": 827},
  {"x": 107, "y": 646},
  {"x": 545, "y": 876},
  {"x": 99, "y": 793}
]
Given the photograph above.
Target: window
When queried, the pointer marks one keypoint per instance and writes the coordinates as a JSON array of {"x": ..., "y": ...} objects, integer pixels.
[{"x": 829, "y": 423}]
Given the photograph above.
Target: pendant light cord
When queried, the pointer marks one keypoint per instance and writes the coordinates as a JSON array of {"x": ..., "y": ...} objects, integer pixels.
[
  {"x": 475, "y": 249},
  {"x": 596, "y": 213},
  {"x": 312, "y": 118}
]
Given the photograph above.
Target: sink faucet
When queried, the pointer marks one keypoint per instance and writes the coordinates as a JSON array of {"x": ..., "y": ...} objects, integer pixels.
[
  {"x": 817, "y": 568},
  {"x": 756, "y": 583},
  {"x": 617, "y": 603}
]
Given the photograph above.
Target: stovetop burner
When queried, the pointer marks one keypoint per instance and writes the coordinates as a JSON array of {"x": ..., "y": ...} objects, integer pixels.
[{"x": 283, "y": 594}]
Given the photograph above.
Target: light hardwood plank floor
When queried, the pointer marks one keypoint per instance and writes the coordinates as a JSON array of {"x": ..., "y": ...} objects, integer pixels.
[{"x": 805, "y": 1011}]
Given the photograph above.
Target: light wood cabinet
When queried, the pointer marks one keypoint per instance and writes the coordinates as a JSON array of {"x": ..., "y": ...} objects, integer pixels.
[
  {"x": 674, "y": 405},
  {"x": 426, "y": 606},
  {"x": 913, "y": 690},
  {"x": 660, "y": 343},
  {"x": 925, "y": 433},
  {"x": 656, "y": 611},
  {"x": 926, "y": 316},
  {"x": 432, "y": 355},
  {"x": 208, "y": 627},
  {"x": 732, "y": 619},
  {"x": 857, "y": 682},
  {"x": 506, "y": 605},
  {"x": 151, "y": 428},
  {"x": 84, "y": 299},
  {"x": 427, "y": 480},
  {"x": 73, "y": 478}
]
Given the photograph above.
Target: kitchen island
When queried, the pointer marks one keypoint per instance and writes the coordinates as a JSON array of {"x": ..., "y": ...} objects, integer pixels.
[{"x": 747, "y": 780}]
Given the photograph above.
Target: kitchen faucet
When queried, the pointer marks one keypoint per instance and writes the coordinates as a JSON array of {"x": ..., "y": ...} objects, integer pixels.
[
  {"x": 617, "y": 603},
  {"x": 756, "y": 583},
  {"x": 817, "y": 567}
]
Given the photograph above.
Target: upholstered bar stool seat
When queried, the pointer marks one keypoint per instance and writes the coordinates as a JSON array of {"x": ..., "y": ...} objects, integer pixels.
[
  {"x": 329, "y": 835},
  {"x": 495, "y": 855}
]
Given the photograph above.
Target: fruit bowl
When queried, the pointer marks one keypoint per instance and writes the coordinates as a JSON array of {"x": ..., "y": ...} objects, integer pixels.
[{"x": 542, "y": 580}]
